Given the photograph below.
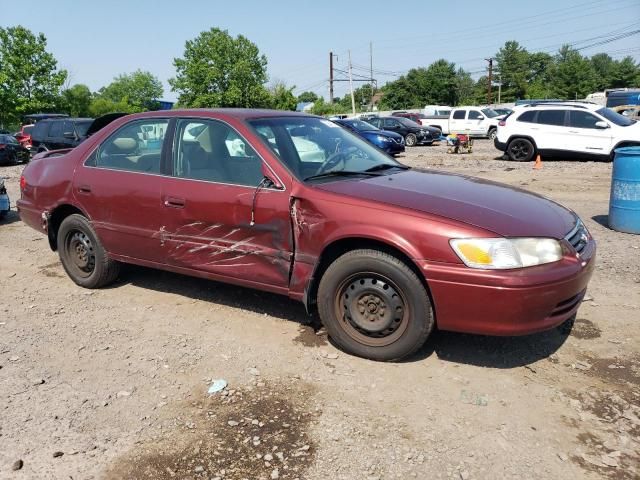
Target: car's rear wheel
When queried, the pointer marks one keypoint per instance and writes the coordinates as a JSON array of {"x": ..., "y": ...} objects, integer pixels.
[
  {"x": 83, "y": 256},
  {"x": 521, "y": 150},
  {"x": 374, "y": 306},
  {"x": 493, "y": 133},
  {"x": 410, "y": 140}
]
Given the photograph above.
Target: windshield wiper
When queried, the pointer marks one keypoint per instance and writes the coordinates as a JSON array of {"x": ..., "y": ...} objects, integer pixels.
[
  {"x": 342, "y": 173},
  {"x": 386, "y": 166}
]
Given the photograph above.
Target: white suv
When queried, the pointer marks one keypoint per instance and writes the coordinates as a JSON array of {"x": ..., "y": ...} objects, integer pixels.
[{"x": 571, "y": 129}]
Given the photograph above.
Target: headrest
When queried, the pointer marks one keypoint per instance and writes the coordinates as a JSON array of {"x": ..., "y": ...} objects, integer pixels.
[{"x": 123, "y": 145}]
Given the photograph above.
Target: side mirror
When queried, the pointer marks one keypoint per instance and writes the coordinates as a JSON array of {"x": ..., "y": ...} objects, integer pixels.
[
  {"x": 602, "y": 124},
  {"x": 70, "y": 135},
  {"x": 269, "y": 180},
  {"x": 480, "y": 117}
]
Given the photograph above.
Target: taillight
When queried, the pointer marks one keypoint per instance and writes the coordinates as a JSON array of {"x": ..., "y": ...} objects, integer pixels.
[
  {"x": 502, "y": 123},
  {"x": 23, "y": 183},
  {"x": 2, "y": 146}
]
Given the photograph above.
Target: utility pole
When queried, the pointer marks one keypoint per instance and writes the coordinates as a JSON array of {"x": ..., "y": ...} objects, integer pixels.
[
  {"x": 330, "y": 77},
  {"x": 499, "y": 88},
  {"x": 353, "y": 99},
  {"x": 371, "y": 66},
  {"x": 490, "y": 60}
]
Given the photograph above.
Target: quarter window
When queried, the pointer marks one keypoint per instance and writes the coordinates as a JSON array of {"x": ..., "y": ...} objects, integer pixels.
[
  {"x": 579, "y": 119},
  {"x": 551, "y": 117},
  {"x": 458, "y": 114},
  {"x": 212, "y": 151},
  {"x": 136, "y": 147},
  {"x": 528, "y": 117}
]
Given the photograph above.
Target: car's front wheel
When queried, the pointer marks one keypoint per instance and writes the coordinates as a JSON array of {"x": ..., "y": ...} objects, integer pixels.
[
  {"x": 410, "y": 140},
  {"x": 374, "y": 306},
  {"x": 83, "y": 256},
  {"x": 521, "y": 150}
]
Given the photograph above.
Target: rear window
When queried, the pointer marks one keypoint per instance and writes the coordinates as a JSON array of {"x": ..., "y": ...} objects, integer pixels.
[
  {"x": 528, "y": 117},
  {"x": 551, "y": 117}
]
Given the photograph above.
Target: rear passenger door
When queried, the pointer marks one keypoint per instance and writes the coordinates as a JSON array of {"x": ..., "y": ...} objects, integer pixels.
[
  {"x": 553, "y": 131},
  {"x": 217, "y": 219},
  {"x": 119, "y": 187},
  {"x": 457, "y": 121}
]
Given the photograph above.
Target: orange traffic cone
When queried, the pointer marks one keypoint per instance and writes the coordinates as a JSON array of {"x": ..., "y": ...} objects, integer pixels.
[{"x": 538, "y": 164}]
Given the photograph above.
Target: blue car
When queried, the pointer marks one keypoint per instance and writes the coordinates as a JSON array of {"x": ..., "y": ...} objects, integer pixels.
[
  {"x": 5, "y": 205},
  {"x": 390, "y": 142}
]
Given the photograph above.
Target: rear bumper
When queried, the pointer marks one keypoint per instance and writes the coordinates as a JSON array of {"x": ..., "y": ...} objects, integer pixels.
[
  {"x": 510, "y": 302},
  {"x": 31, "y": 216},
  {"x": 502, "y": 146}
]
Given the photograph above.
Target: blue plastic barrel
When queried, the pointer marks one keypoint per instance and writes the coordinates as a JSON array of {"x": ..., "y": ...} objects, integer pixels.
[{"x": 624, "y": 204}]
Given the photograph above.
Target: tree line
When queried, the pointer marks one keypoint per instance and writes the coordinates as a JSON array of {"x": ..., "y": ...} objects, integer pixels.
[{"x": 219, "y": 70}]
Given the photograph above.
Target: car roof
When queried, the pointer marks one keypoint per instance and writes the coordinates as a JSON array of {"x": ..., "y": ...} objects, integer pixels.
[
  {"x": 66, "y": 119},
  {"x": 238, "y": 113},
  {"x": 555, "y": 105}
]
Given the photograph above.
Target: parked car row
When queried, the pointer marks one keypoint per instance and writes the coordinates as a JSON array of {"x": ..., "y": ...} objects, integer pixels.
[
  {"x": 11, "y": 152},
  {"x": 565, "y": 129}
]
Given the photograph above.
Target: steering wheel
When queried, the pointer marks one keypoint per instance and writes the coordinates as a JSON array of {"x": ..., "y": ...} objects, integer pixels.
[{"x": 334, "y": 160}]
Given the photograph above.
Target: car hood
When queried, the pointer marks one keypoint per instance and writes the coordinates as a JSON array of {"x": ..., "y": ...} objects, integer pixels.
[{"x": 504, "y": 210}]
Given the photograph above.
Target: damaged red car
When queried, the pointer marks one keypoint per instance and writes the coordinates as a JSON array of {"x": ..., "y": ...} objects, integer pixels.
[{"x": 293, "y": 204}]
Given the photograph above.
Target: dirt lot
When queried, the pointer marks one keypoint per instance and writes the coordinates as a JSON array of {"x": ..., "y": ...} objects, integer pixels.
[{"x": 113, "y": 383}]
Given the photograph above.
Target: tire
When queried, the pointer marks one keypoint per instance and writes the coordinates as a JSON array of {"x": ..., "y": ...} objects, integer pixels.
[
  {"x": 521, "y": 150},
  {"x": 493, "y": 133},
  {"x": 83, "y": 256},
  {"x": 374, "y": 306},
  {"x": 410, "y": 140}
]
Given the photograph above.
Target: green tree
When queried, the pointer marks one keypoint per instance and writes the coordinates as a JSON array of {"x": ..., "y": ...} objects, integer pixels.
[
  {"x": 307, "y": 97},
  {"x": 513, "y": 70},
  {"x": 140, "y": 89},
  {"x": 571, "y": 75},
  {"x": 101, "y": 106},
  {"x": 625, "y": 74},
  {"x": 465, "y": 88},
  {"x": 604, "y": 67},
  {"x": 77, "y": 100},
  {"x": 29, "y": 77},
  {"x": 320, "y": 107},
  {"x": 282, "y": 98},
  {"x": 218, "y": 70}
]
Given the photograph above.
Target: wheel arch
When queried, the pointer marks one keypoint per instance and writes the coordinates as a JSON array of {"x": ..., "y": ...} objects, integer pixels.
[
  {"x": 517, "y": 137},
  {"x": 56, "y": 217},
  {"x": 340, "y": 246}
]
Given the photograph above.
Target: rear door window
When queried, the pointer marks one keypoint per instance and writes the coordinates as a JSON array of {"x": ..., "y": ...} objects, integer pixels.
[
  {"x": 551, "y": 117},
  {"x": 528, "y": 117},
  {"x": 459, "y": 114},
  {"x": 135, "y": 147},
  {"x": 56, "y": 129}
]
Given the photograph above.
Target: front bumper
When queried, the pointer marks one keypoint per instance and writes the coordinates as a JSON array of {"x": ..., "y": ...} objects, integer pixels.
[
  {"x": 393, "y": 148},
  {"x": 502, "y": 146},
  {"x": 509, "y": 302}
]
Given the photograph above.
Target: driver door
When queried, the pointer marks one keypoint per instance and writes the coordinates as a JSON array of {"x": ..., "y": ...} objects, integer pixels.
[{"x": 217, "y": 220}]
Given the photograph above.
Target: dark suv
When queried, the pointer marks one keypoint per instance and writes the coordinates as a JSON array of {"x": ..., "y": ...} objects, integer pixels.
[
  {"x": 413, "y": 133},
  {"x": 57, "y": 133}
]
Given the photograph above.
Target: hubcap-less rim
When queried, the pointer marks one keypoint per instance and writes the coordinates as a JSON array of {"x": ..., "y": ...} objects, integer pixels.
[
  {"x": 81, "y": 253},
  {"x": 410, "y": 141},
  {"x": 372, "y": 309},
  {"x": 520, "y": 150}
]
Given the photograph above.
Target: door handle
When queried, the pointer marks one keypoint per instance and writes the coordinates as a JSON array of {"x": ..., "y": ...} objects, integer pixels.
[
  {"x": 84, "y": 189},
  {"x": 573, "y": 131},
  {"x": 174, "y": 202}
]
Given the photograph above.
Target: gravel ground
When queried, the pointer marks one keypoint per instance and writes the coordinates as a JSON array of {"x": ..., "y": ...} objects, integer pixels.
[{"x": 113, "y": 383}]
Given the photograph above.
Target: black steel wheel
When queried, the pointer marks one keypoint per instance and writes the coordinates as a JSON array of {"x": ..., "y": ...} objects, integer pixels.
[
  {"x": 521, "y": 150},
  {"x": 82, "y": 255},
  {"x": 374, "y": 305}
]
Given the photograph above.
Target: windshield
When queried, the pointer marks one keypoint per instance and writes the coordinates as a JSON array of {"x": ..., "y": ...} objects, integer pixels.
[
  {"x": 490, "y": 113},
  {"x": 7, "y": 139},
  {"x": 616, "y": 118},
  {"x": 311, "y": 146},
  {"x": 407, "y": 122},
  {"x": 360, "y": 125},
  {"x": 82, "y": 127}
]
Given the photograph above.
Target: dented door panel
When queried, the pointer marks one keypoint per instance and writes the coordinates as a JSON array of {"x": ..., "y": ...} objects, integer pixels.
[{"x": 212, "y": 231}]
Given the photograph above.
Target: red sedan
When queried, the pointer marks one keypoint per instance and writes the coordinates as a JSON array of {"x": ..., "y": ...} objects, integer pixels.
[{"x": 294, "y": 204}]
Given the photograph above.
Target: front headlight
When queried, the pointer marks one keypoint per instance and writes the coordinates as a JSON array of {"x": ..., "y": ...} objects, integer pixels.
[
  {"x": 505, "y": 253},
  {"x": 382, "y": 138}
]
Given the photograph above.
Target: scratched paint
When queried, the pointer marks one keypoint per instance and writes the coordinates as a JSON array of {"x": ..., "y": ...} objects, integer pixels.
[{"x": 626, "y": 191}]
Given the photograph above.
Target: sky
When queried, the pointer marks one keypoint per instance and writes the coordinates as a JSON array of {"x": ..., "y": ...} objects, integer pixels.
[{"x": 96, "y": 41}]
